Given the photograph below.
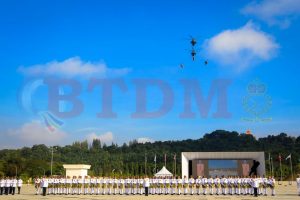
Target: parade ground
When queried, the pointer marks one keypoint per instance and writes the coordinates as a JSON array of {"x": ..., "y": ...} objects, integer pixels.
[{"x": 283, "y": 192}]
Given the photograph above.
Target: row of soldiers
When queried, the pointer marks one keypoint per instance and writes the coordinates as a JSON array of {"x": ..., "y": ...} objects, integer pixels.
[
  {"x": 8, "y": 185},
  {"x": 168, "y": 185}
]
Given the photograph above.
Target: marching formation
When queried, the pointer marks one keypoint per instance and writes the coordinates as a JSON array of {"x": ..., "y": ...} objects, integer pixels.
[
  {"x": 156, "y": 186},
  {"x": 8, "y": 185}
]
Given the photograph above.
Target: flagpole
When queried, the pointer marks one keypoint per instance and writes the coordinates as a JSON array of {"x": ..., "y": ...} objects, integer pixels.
[
  {"x": 166, "y": 160},
  {"x": 291, "y": 168},
  {"x": 175, "y": 164},
  {"x": 272, "y": 172},
  {"x": 155, "y": 163},
  {"x": 145, "y": 164},
  {"x": 270, "y": 163},
  {"x": 280, "y": 167},
  {"x": 272, "y": 167}
]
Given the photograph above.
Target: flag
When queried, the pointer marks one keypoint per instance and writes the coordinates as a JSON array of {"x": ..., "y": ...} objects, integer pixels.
[
  {"x": 279, "y": 157},
  {"x": 289, "y": 157},
  {"x": 155, "y": 158}
]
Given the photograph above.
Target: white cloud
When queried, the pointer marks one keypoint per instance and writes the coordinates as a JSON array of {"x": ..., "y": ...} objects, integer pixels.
[
  {"x": 106, "y": 138},
  {"x": 35, "y": 133},
  {"x": 274, "y": 12},
  {"x": 241, "y": 48},
  {"x": 144, "y": 140},
  {"x": 72, "y": 67}
]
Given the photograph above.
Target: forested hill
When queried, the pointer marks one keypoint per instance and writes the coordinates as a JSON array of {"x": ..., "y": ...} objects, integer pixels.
[{"x": 130, "y": 158}]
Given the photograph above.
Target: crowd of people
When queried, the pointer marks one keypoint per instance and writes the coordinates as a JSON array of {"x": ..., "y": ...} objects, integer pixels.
[
  {"x": 155, "y": 186},
  {"x": 8, "y": 185}
]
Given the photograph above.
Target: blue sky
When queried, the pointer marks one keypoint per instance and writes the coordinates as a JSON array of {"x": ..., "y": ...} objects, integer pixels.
[{"x": 243, "y": 41}]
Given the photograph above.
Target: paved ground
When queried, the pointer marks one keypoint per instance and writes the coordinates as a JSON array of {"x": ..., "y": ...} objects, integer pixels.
[{"x": 284, "y": 192}]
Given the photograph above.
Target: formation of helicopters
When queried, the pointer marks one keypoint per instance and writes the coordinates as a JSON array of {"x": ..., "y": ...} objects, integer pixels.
[{"x": 193, "y": 51}]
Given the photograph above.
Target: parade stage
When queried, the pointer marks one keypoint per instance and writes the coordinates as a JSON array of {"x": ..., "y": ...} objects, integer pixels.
[{"x": 222, "y": 163}]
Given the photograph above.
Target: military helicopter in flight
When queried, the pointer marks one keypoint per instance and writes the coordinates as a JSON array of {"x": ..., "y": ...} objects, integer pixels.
[
  {"x": 193, "y": 54},
  {"x": 193, "y": 51},
  {"x": 193, "y": 41}
]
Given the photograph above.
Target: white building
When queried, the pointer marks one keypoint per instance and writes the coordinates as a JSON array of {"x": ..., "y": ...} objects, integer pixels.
[{"x": 76, "y": 170}]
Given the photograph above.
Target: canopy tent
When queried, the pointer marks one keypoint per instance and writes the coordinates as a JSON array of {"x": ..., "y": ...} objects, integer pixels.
[{"x": 163, "y": 173}]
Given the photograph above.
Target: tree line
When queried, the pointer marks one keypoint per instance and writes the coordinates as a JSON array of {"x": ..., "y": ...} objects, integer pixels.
[{"x": 134, "y": 159}]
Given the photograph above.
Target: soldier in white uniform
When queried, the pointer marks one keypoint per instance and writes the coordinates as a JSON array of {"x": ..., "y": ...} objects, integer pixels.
[
  {"x": 115, "y": 183},
  {"x": 146, "y": 184},
  {"x": 98, "y": 185},
  {"x": 191, "y": 185},
  {"x": 13, "y": 185},
  {"x": 1, "y": 185},
  {"x": 68, "y": 185},
  {"x": 44, "y": 185},
  {"x": 74, "y": 185},
  {"x": 86, "y": 182},
  {"x": 231, "y": 185},
  {"x": 244, "y": 185},
  {"x": 151, "y": 187},
  {"x": 140, "y": 185},
  {"x": 92, "y": 185},
  {"x": 237, "y": 183},
  {"x": 224, "y": 183},
  {"x": 260, "y": 189},
  {"x": 250, "y": 183},
  {"x": 173, "y": 185},
  {"x": 255, "y": 184},
  {"x": 179, "y": 185},
  {"x": 198, "y": 182},
  {"x": 217, "y": 183},
  {"x": 161, "y": 186},
  {"x": 264, "y": 182},
  {"x": 210, "y": 182},
  {"x": 37, "y": 184},
  {"x": 157, "y": 186},
  {"x": 80, "y": 184},
  {"x": 62, "y": 185},
  {"x": 167, "y": 184},
  {"x": 50, "y": 185},
  {"x": 127, "y": 185},
  {"x": 271, "y": 181},
  {"x": 121, "y": 186},
  {"x": 104, "y": 185},
  {"x": 55, "y": 185},
  {"x": 298, "y": 184},
  {"x": 19, "y": 185},
  {"x": 204, "y": 185},
  {"x": 109, "y": 185},
  {"x": 185, "y": 185}
]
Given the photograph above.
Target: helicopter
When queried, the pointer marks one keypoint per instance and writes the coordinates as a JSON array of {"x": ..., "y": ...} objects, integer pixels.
[
  {"x": 193, "y": 51},
  {"x": 193, "y": 41},
  {"x": 193, "y": 54}
]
